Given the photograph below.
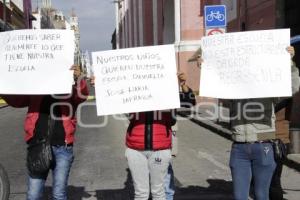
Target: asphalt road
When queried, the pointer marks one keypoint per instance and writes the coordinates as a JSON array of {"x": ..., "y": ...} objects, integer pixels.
[{"x": 100, "y": 170}]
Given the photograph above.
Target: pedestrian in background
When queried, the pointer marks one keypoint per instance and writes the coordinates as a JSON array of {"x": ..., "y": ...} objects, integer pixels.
[
  {"x": 56, "y": 117},
  {"x": 170, "y": 178}
]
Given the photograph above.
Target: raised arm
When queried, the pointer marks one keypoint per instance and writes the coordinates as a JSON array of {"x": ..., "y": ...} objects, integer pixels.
[{"x": 80, "y": 90}]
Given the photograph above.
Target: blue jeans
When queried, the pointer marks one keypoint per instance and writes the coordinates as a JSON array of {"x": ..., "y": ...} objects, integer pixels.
[
  {"x": 63, "y": 161},
  {"x": 247, "y": 160},
  {"x": 169, "y": 183}
]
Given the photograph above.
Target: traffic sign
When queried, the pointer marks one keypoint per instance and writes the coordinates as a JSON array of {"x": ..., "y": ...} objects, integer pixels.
[
  {"x": 214, "y": 31},
  {"x": 215, "y": 16}
]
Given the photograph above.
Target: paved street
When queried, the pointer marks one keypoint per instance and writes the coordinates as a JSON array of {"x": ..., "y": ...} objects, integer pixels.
[{"x": 100, "y": 170}]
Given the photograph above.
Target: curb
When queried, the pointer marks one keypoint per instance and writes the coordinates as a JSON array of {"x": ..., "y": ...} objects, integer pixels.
[
  {"x": 3, "y": 106},
  {"x": 226, "y": 133}
]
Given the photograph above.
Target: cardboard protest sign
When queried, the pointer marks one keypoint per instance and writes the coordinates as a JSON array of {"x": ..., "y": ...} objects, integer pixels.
[
  {"x": 242, "y": 65},
  {"x": 136, "y": 79},
  {"x": 36, "y": 61}
]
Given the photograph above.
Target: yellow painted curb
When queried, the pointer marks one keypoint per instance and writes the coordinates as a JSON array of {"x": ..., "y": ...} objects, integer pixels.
[
  {"x": 2, "y": 101},
  {"x": 91, "y": 98}
]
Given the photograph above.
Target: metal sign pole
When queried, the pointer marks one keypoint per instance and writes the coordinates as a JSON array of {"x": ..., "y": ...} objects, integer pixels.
[{"x": 215, "y": 18}]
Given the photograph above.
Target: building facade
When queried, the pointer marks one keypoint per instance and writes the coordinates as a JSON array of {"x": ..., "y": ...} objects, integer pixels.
[
  {"x": 74, "y": 25},
  {"x": 48, "y": 17},
  {"x": 157, "y": 22},
  {"x": 15, "y": 14},
  {"x": 181, "y": 22}
]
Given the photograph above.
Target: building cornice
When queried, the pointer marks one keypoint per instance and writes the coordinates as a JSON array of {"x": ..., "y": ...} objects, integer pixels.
[{"x": 188, "y": 45}]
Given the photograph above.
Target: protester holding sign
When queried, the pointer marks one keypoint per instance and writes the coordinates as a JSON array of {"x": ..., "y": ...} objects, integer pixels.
[
  {"x": 148, "y": 144},
  {"x": 252, "y": 156},
  {"x": 252, "y": 151},
  {"x": 51, "y": 118}
]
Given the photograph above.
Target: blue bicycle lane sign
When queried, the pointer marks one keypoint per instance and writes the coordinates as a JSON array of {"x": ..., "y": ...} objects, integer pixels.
[{"x": 215, "y": 16}]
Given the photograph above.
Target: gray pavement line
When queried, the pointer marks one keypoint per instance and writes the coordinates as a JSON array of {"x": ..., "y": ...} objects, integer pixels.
[{"x": 211, "y": 159}]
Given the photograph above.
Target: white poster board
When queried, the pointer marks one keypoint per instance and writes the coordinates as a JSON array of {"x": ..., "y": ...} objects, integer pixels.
[
  {"x": 136, "y": 80},
  {"x": 36, "y": 61},
  {"x": 242, "y": 65}
]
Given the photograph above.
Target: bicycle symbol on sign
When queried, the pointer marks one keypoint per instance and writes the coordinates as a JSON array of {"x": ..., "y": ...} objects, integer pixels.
[{"x": 215, "y": 15}]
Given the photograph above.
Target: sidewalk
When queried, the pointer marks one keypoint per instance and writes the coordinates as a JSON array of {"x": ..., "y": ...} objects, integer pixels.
[{"x": 218, "y": 122}]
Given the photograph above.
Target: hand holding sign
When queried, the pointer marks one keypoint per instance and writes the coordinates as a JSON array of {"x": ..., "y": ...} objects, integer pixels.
[
  {"x": 291, "y": 51},
  {"x": 77, "y": 71},
  {"x": 92, "y": 80},
  {"x": 182, "y": 81}
]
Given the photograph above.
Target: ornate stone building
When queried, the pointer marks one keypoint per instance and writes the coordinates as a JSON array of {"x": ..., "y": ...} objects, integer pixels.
[{"x": 51, "y": 18}]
